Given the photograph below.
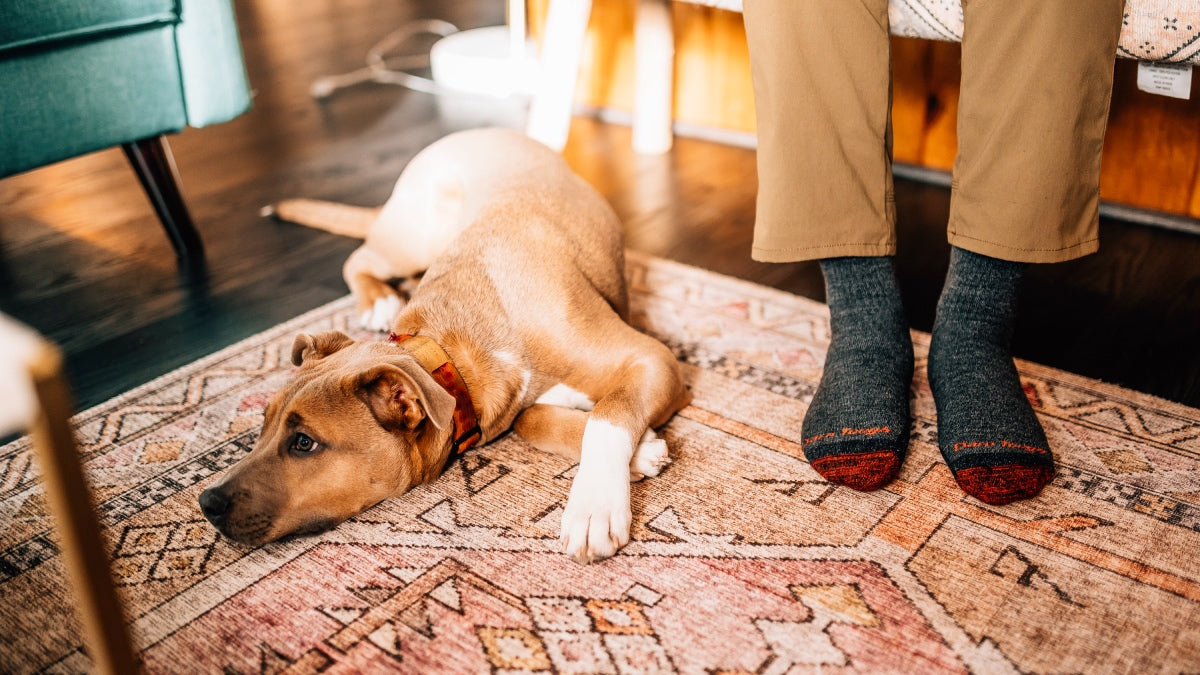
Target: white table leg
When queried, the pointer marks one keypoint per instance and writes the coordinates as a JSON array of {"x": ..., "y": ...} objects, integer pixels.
[
  {"x": 654, "y": 58},
  {"x": 550, "y": 111}
]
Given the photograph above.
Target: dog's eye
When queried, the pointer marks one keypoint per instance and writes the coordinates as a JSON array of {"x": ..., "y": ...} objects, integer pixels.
[{"x": 303, "y": 444}]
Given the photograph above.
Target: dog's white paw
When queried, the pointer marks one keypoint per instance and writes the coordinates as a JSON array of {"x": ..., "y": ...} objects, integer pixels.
[
  {"x": 381, "y": 315},
  {"x": 597, "y": 517},
  {"x": 650, "y": 457}
]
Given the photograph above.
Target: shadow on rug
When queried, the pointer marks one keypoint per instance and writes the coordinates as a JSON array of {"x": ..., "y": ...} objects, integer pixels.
[{"x": 742, "y": 559}]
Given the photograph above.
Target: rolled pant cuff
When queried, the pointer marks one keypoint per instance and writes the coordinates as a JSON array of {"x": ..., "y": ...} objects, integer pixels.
[
  {"x": 1026, "y": 255},
  {"x": 800, "y": 253}
]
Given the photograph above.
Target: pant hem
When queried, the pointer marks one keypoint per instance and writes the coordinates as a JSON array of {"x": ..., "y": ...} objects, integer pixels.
[
  {"x": 1027, "y": 255},
  {"x": 800, "y": 253}
]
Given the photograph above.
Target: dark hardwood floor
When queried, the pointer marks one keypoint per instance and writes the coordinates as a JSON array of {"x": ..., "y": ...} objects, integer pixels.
[{"x": 84, "y": 260}]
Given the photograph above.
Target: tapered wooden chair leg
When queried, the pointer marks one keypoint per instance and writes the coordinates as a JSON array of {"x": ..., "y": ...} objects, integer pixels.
[
  {"x": 70, "y": 500},
  {"x": 155, "y": 167}
]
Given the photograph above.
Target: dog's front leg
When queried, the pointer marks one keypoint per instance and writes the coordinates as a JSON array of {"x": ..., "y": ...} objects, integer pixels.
[
  {"x": 597, "y": 517},
  {"x": 646, "y": 391}
]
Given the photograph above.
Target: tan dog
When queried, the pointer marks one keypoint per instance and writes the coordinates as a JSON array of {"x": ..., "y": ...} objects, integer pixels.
[{"x": 527, "y": 303}]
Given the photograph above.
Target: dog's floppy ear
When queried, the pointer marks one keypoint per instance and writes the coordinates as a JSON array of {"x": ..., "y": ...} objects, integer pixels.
[
  {"x": 401, "y": 395},
  {"x": 318, "y": 346}
]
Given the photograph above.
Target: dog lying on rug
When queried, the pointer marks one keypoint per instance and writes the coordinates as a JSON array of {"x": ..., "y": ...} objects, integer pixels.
[{"x": 519, "y": 322}]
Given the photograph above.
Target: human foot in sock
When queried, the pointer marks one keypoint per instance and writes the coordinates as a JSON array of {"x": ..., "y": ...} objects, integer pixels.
[
  {"x": 987, "y": 431},
  {"x": 855, "y": 432}
]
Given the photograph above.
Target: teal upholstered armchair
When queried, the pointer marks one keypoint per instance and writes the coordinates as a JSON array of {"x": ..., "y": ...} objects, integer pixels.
[{"x": 82, "y": 75}]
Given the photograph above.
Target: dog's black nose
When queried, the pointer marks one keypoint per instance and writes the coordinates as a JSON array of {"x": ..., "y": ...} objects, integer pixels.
[{"x": 215, "y": 505}]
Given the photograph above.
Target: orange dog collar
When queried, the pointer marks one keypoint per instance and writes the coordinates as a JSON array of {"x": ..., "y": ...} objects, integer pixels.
[{"x": 437, "y": 362}]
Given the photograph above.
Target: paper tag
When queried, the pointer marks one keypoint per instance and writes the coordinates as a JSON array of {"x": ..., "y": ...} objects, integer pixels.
[{"x": 1168, "y": 79}]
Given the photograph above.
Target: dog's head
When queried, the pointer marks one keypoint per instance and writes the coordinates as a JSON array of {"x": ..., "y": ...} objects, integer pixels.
[{"x": 359, "y": 422}]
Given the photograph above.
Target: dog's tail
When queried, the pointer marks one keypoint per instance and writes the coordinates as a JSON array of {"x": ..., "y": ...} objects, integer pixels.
[{"x": 343, "y": 219}]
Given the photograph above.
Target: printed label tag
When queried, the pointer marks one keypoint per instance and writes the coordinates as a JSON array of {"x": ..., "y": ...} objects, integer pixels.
[{"x": 1168, "y": 79}]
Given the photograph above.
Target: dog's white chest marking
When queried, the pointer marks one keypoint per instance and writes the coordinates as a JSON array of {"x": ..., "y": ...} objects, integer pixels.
[
  {"x": 510, "y": 359},
  {"x": 526, "y": 376},
  {"x": 507, "y": 357},
  {"x": 565, "y": 397}
]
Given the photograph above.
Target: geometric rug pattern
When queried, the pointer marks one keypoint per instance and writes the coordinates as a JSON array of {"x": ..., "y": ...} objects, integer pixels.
[{"x": 742, "y": 559}]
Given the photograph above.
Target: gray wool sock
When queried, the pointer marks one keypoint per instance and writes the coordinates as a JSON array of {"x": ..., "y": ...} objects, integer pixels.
[
  {"x": 855, "y": 432},
  {"x": 987, "y": 431}
]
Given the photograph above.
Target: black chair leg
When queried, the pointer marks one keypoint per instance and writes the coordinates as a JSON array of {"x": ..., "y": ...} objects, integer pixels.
[{"x": 155, "y": 166}]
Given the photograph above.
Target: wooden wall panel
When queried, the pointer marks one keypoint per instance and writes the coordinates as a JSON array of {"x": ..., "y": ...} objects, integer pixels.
[
  {"x": 712, "y": 91},
  {"x": 1152, "y": 147},
  {"x": 1151, "y": 153},
  {"x": 910, "y": 98}
]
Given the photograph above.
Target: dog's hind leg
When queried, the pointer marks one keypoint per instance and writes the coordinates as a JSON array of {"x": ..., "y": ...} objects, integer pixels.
[
  {"x": 559, "y": 431},
  {"x": 366, "y": 273}
]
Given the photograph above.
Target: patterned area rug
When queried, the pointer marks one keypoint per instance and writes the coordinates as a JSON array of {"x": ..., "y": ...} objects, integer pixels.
[{"x": 742, "y": 559}]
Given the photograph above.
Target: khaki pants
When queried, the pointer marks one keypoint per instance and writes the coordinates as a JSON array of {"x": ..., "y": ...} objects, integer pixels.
[{"x": 1033, "y": 104}]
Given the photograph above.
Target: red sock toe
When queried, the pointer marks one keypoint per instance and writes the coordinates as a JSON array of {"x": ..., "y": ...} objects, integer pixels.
[
  {"x": 863, "y": 471},
  {"x": 999, "y": 485}
]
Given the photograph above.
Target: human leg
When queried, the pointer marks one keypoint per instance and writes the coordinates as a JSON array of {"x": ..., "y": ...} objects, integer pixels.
[
  {"x": 822, "y": 91},
  {"x": 1037, "y": 79}
]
